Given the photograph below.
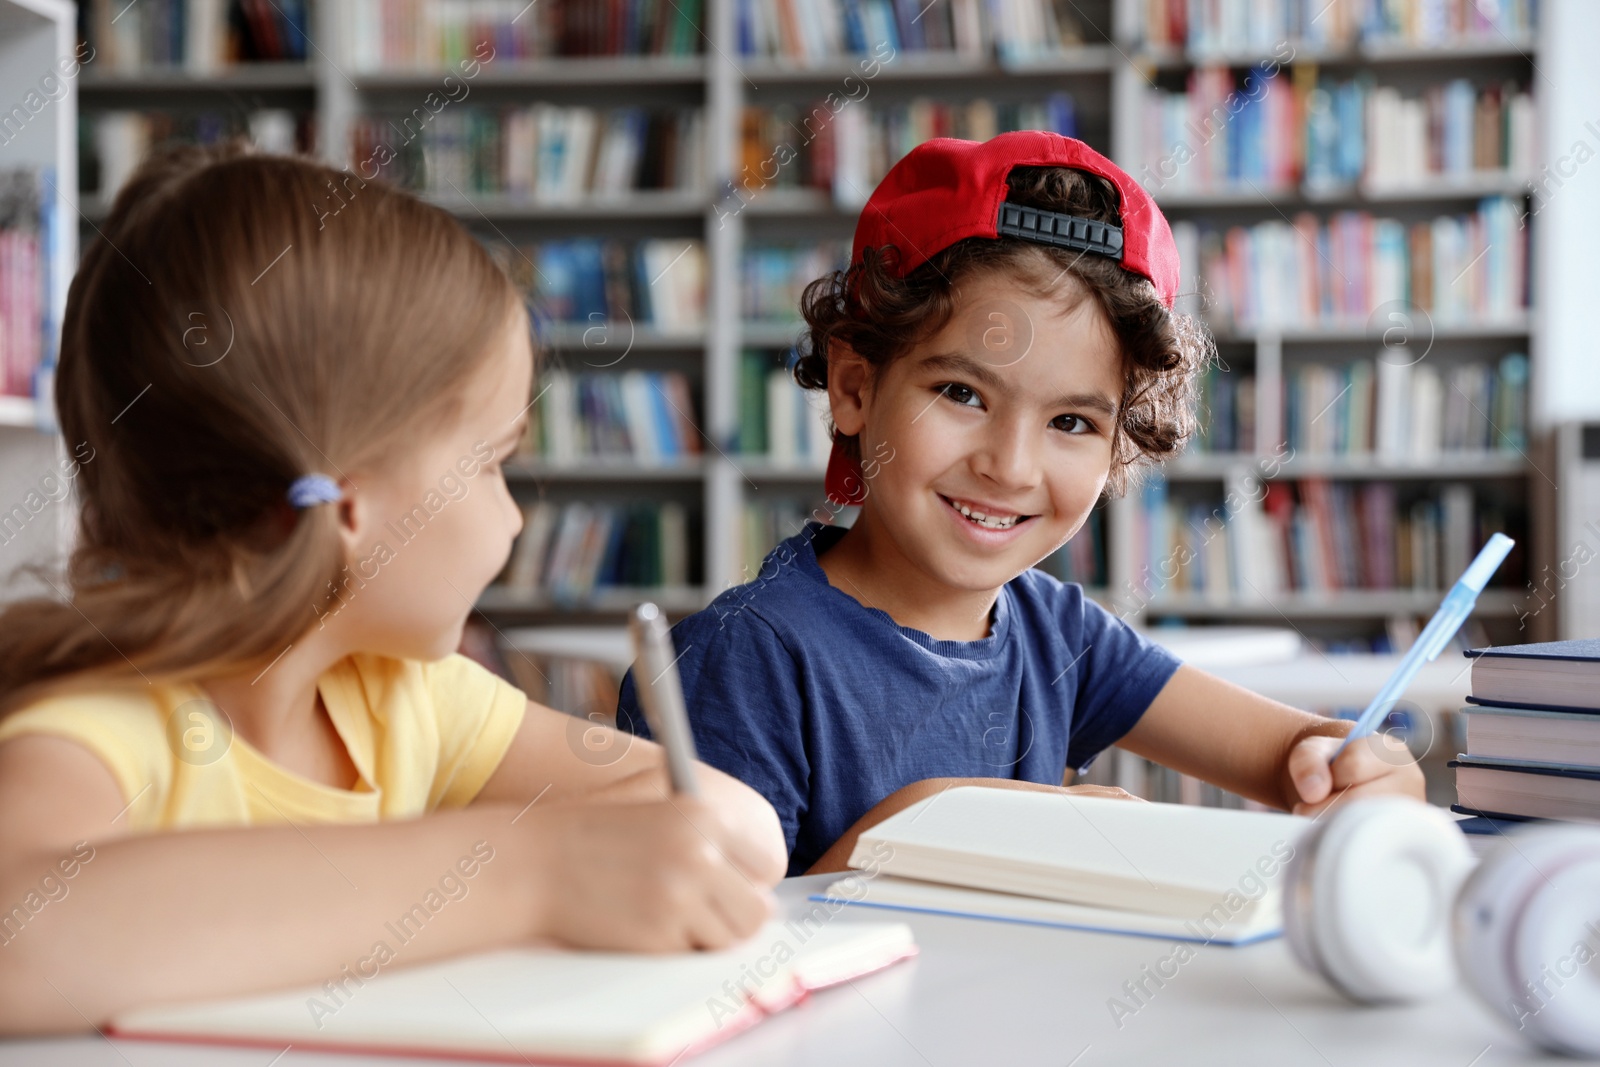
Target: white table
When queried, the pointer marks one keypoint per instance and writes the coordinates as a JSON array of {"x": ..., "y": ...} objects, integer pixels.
[{"x": 1012, "y": 995}]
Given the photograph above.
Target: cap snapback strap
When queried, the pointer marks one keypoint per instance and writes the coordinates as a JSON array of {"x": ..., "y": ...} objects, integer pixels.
[{"x": 1058, "y": 229}]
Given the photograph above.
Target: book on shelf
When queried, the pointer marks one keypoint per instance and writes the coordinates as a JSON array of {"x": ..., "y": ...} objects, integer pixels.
[
  {"x": 1532, "y": 732},
  {"x": 571, "y": 550},
  {"x": 112, "y": 144},
  {"x": 1312, "y": 535},
  {"x": 766, "y": 522},
  {"x": 808, "y": 32},
  {"x": 198, "y": 36},
  {"x": 612, "y": 285},
  {"x": 1083, "y": 558},
  {"x": 778, "y": 419},
  {"x": 29, "y": 225},
  {"x": 433, "y": 34},
  {"x": 847, "y": 151},
  {"x": 773, "y": 277},
  {"x": 1261, "y": 25},
  {"x": 542, "y": 153},
  {"x": 1280, "y": 128},
  {"x": 582, "y": 688},
  {"x": 1226, "y": 405},
  {"x": 646, "y": 416},
  {"x": 1400, "y": 408},
  {"x": 1454, "y": 269}
]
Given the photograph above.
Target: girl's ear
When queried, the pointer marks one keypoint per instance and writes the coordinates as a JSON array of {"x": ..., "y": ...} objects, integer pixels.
[
  {"x": 849, "y": 387},
  {"x": 357, "y": 520}
]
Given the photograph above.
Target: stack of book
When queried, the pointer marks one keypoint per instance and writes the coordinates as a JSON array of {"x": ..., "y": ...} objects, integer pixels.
[
  {"x": 571, "y": 550},
  {"x": 426, "y": 34},
  {"x": 546, "y": 153},
  {"x": 612, "y": 285},
  {"x": 846, "y": 151},
  {"x": 1401, "y": 408},
  {"x": 1532, "y": 733},
  {"x": 815, "y": 31},
  {"x": 116, "y": 142},
  {"x": 1261, "y": 25},
  {"x": 1458, "y": 269},
  {"x": 201, "y": 36},
  {"x": 646, "y": 416},
  {"x": 26, "y": 231},
  {"x": 778, "y": 419},
  {"x": 1276, "y": 129}
]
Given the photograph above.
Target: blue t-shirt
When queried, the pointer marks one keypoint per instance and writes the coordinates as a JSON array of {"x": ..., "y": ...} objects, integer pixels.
[{"x": 825, "y": 706}]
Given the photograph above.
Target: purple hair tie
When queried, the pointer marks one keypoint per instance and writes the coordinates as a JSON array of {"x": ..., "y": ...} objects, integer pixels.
[{"x": 311, "y": 489}]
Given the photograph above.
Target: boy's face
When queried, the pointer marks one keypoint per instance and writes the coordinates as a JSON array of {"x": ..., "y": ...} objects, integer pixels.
[{"x": 1007, "y": 413}]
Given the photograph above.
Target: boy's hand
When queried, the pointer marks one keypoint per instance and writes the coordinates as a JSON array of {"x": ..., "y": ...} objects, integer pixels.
[{"x": 1374, "y": 765}]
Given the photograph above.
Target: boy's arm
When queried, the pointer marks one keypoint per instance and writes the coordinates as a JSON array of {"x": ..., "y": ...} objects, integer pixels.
[
  {"x": 1256, "y": 747},
  {"x": 557, "y": 757}
]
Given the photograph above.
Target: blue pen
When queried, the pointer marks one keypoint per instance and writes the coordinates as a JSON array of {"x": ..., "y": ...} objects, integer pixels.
[{"x": 1458, "y": 604}]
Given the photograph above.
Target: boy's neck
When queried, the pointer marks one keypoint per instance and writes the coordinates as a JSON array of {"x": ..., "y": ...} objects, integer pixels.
[{"x": 866, "y": 564}]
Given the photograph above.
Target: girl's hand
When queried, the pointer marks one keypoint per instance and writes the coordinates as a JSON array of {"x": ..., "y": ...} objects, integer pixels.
[
  {"x": 655, "y": 877},
  {"x": 1372, "y": 766}
]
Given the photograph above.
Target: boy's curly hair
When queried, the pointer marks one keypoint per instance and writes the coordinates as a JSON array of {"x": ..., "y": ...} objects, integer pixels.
[{"x": 881, "y": 316}]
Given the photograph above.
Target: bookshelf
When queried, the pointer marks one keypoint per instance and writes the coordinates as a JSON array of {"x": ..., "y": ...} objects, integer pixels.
[
  {"x": 1106, "y": 60},
  {"x": 36, "y": 35}
]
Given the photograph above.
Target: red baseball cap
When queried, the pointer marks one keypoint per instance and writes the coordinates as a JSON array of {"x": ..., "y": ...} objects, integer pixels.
[{"x": 946, "y": 190}]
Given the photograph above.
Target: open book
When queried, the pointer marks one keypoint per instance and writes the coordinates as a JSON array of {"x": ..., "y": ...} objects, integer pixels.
[
  {"x": 1163, "y": 870},
  {"x": 545, "y": 1004}
]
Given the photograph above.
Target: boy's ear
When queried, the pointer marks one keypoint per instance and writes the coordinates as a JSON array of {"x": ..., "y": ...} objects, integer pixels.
[{"x": 849, "y": 387}]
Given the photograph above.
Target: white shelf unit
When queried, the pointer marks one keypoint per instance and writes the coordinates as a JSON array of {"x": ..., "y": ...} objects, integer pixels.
[
  {"x": 1108, "y": 76},
  {"x": 34, "y": 36}
]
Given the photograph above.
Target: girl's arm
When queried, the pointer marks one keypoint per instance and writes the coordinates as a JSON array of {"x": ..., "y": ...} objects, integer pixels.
[
  {"x": 1244, "y": 742},
  {"x": 559, "y": 757},
  {"x": 149, "y": 918}
]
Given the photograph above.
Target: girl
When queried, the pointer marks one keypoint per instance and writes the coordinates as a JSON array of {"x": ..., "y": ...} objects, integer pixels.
[
  {"x": 290, "y": 422},
  {"x": 1001, "y": 352}
]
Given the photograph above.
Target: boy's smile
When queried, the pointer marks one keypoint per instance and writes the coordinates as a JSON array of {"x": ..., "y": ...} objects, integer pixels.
[{"x": 999, "y": 427}]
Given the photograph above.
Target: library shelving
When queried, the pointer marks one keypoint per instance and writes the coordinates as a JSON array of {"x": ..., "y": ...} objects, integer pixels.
[
  {"x": 773, "y": 172},
  {"x": 39, "y": 72}
]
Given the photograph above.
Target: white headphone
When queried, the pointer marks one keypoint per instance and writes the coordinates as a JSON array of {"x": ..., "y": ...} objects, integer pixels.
[
  {"x": 1527, "y": 933},
  {"x": 1367, "y": 898},
  {"x": 1377, "y": 895}
]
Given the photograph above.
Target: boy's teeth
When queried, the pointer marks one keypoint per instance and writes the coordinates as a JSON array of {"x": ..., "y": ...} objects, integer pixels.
[{"x": 984, "y": 520}]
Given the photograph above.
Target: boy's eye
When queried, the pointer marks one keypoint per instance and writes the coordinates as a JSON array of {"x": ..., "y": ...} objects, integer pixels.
[
  {"x": 960, "y": 394},
  {"x": 1073, "y": 424}
]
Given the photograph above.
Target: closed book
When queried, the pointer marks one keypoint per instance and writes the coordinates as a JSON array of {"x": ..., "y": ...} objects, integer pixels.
[
  {"x": 1527, "y": 789},
  {"x": 1560, "y": 737},
  {"x": 1547, "y": 675}
]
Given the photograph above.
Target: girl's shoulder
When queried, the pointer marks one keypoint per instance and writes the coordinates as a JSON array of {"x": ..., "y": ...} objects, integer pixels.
[{"x": 129, "y": 728}]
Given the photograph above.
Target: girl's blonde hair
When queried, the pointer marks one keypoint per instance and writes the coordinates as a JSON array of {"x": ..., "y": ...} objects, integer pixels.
[{"x": 246, "y": 320}]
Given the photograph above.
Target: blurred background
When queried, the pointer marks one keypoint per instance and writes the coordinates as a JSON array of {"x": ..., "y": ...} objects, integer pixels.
[{"x": 1386, "y": 212}]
